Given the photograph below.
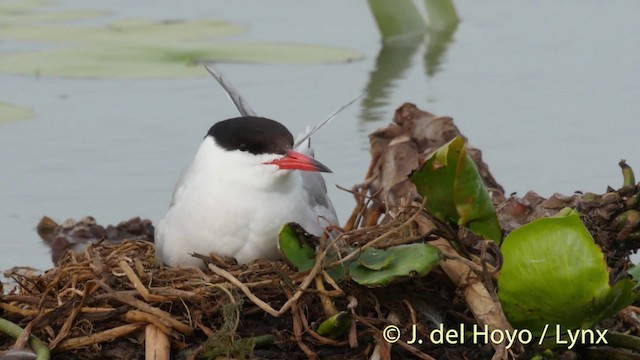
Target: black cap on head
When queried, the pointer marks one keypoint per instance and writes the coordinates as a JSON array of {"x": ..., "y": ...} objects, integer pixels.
[{"x": 256, "y": 135}]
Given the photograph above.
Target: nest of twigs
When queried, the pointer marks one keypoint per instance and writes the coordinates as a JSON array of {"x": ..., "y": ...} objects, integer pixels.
[{"x": 110, "y": 302}]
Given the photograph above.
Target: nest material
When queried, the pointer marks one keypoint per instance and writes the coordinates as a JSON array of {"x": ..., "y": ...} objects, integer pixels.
[{"x": 109, "y": 301}]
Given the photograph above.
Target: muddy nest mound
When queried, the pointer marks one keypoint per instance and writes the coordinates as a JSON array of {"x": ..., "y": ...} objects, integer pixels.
[{"x": 108, "y": 301}]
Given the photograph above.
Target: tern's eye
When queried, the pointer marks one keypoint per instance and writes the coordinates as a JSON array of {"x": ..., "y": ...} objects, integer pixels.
[{"x": 242, "y": 147}]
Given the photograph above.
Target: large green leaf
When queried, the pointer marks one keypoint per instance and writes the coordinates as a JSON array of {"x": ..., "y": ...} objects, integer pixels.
[
  {"x": 377, "y": 267},
  {"x": 10, "y": 112},
  {"x": 554, "y": 273},
  {"x": 454, "y": 190}
]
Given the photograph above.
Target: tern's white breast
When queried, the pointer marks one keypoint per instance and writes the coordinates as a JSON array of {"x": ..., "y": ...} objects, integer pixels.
[{"x": 231, "y": 203}]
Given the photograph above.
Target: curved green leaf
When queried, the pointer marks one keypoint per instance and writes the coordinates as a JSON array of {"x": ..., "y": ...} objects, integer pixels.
[
  {"x": 397, "y": 19},
  {"x": 455, "y": 192},
  {"x": 295, "y": 247},
  {"x": 376, "y": 267},
  {"x": 335, "y": 326},
  {"x": 554, "y": 273}
]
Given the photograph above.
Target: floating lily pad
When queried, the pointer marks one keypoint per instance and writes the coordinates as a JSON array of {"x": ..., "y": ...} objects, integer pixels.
[
  {"x": 377, "y": 267},
  {"x": 10, "y": 112},
  {"x": 21, "y": 6},
  {"x": 554, "y": 273},
  {"x": 149, "y": 49},
  {"x": 124, "y": 31},
  {"x": 7, "y": 18},
  {"x": 455, "y": 192},
  {"x": 157, "y": 61}
]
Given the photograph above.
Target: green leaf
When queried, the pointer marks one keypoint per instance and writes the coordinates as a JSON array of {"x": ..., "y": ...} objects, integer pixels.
[
  {"x": 124, "y": 31},
  {"x": 149, "y": 49},
  {"x": 7, "y": 19},
  {"x": 455, "y": 192},
  {"x": 397, "y": 19},
  {"x": 376, "y": 259},
  {"x": 635, "y": 274},
  {"x": 335, "y": 326},
  {"x": 554, "y": 273},
  {"x": 442, "y": 14},
  {"x": 376, "y": 267},
  {"x": 10, "y": 112},
  {"x": 20, "y": 6},
  {"x": 293, "y": 244}
]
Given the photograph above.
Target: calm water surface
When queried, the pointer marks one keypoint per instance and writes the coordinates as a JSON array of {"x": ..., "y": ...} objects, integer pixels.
[{"x": 549, "y": 91}]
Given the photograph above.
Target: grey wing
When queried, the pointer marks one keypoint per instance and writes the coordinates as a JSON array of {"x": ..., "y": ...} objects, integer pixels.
[
  {"x": 314, "y": 184},
  {"x": 316, "y": 187},
  {"x": 237, "y": 99}
]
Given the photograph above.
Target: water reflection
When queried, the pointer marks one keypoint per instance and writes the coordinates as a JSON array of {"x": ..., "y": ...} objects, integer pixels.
[
  {"x": 437, "y": 44},
  {"x": 393, "y": 60}
]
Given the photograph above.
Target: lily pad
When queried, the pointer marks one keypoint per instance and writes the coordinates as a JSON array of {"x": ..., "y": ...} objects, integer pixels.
[
  {"x": 8, "y": 18},
  {"x": 376, "y": 267},
  {"x": 159, "y": 61},
  {"x": 554, "y": 273},
  {"x": 124, "y": 31},
  {"x": 10, "y": 112},
  {"x": 455, "y": 192},
  {"x": 21, "y": 6}
]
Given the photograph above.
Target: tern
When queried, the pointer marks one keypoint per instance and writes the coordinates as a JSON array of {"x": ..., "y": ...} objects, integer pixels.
[{"x": 248, "y": 178}]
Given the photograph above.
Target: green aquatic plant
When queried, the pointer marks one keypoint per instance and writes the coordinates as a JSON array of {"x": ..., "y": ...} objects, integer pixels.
[
  {"x": 554, "y": 273},
  {"x": 335, "y": 326},
  {"x": 378, "y": 267},
  {"x": 148, "y": 49},
  {"x": 372, "y": 267},
  {"x": 455, "y": 192},
  {"x": 401, "y": 19}
]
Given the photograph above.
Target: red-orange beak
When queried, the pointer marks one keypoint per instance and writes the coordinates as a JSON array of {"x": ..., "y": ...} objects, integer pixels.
[{"x": 297, "y": 161}]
